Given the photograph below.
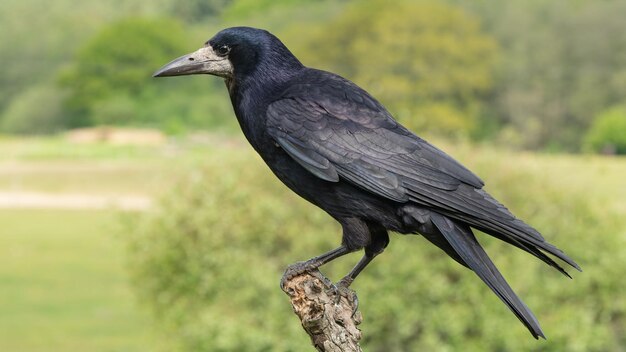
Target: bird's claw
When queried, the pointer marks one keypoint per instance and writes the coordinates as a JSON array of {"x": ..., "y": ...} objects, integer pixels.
[
  {"x": 341, "y": 289},
  {"x": 294, "y": 270}
]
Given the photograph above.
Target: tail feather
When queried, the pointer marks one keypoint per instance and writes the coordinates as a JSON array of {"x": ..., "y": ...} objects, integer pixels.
[
  {"x": 505, "y": 227},
  {"x": 536, "y": 252},
  {"x": 464, "y": 243},
  {"x": 518, "y": 232}
]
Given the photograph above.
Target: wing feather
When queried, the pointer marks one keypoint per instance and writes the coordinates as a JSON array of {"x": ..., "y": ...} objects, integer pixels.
[{"x": 313, "y": 162}]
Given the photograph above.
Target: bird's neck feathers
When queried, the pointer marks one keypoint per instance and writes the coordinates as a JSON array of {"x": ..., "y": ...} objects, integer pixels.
[
  {"x": 253, "y": 87},
  {"x": 263, "y": 69}
]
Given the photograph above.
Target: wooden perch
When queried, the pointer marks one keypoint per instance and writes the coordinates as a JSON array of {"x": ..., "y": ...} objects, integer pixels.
[{"x": 327, "y": 319}]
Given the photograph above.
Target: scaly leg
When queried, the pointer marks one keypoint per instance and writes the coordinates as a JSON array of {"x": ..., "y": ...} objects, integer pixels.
[{"x": 347, "y": 280}]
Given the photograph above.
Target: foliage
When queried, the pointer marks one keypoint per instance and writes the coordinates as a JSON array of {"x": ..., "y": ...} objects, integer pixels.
[
  {"x": 197, "y": 10},
  {"x": 428, "y": 62},
  {"x": 208, "y": 260},
  {"x": 239, "y": 9},
  {"x": 562, "y": 64},
  {"x": 527, "y": 74},
  {"x": 38, "y": 37},
  {"x": 608, "y": 132},
  {"x": 108, "y": 67},
  {"x": 108, "y": 83},
  {"x": 23, "y": 116}
]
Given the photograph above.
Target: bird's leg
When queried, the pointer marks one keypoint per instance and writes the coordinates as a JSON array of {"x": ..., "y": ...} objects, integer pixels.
[
  {"x": 380, "y": 240},
  {"x": 313, "y": 263},
  {"x": 370, "y": 253},
  {"x": 347, "y": 280}
]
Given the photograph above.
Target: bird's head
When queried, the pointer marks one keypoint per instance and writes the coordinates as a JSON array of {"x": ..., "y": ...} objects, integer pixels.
[{"x": 233, "y": 52}]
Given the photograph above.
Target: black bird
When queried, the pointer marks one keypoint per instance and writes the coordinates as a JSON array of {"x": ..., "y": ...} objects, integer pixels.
[{"x": 336, "y": 146}]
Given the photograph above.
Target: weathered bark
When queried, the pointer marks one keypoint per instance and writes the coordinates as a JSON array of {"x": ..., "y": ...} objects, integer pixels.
[{"x": 327, "y": 318}]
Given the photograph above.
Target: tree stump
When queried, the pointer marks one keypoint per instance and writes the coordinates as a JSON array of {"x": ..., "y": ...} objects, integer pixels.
[{"x": 327, "y": 313}]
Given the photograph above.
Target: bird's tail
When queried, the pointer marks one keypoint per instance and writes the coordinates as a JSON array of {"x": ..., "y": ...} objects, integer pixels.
[{"x": 464, "y": 243}]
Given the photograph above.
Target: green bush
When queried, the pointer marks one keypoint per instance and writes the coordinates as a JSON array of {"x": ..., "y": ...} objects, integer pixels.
[
  {"x": 36, "y": 111},
  {"x": 208, "y": 259},
  {"x": 608, "y": 132},
  {"x": 111, "y": 81}
]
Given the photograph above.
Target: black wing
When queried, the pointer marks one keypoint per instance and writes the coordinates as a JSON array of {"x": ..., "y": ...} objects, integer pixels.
[{"x": 337, "y": 131}]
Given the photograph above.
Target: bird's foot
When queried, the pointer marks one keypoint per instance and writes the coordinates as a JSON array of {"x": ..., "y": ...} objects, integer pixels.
[
  {"x": 341, "y": 289},
  {"x": 345, "y": 282},
  {"x": 296, "y": 269}
]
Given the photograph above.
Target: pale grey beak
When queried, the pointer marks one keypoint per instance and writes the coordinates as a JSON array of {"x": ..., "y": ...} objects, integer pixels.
[{"x": 202, "y": 61}]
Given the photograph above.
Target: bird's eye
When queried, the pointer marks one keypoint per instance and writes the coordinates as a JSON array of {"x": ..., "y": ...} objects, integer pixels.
[{"x": 222, "y": 50}]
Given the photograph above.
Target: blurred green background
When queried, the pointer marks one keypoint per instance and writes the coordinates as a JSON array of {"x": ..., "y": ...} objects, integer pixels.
[{"x": 134, "y": 217}]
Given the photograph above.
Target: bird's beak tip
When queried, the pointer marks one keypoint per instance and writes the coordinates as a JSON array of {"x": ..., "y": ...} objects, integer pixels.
[{"x": 178, "y": 67}]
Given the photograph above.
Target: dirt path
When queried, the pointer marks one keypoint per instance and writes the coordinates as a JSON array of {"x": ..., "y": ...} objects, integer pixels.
[{"x": 26, "y": 200}]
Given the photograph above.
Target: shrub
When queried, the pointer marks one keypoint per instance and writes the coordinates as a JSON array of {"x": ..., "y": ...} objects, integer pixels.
[
  {"x": 111, "y": 83},
  {"x": 208, "y": 259},
  {"x": 36, "y": 111},
  {"x": 608, "y": 132}
]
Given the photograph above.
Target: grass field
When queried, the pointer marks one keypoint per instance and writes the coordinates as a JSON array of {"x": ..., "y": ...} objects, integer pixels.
[
  {"x": 63, "y": 281},
  {"x": 63, "y": 284}
]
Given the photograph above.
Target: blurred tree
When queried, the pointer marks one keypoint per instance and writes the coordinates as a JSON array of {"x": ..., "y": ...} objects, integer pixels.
[
  {"x": 37, "y": 110},
  {"x": 197, "y": 10},
  {"x": 240, "y": 9},
  {"x": 558, "y": 64},
  {"x": 110, "y": 81},
  {"x": 428, "y": 62},
  {"x": 563, "y": 63},
  {"x": 37, "y": 37},
  {"x": 608, "y": 132},
  {"x": 117, "y": 61}
]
